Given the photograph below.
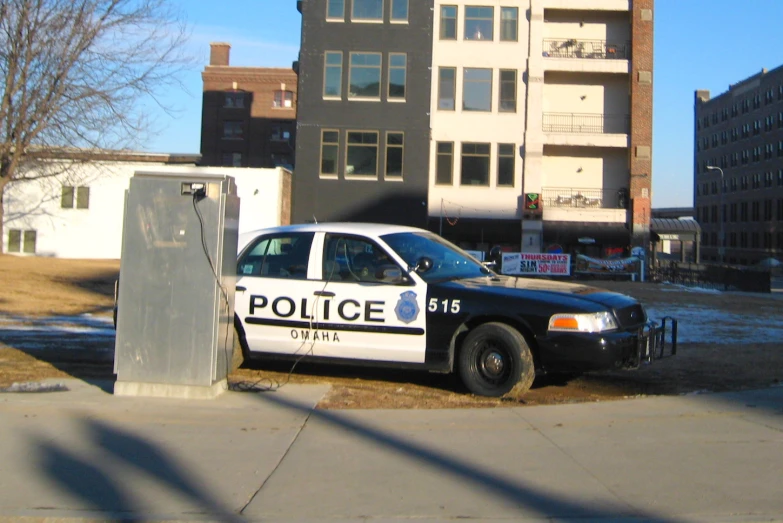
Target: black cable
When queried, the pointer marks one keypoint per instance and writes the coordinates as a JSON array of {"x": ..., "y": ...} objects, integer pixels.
[
  {"x": 274, "y": 384},
  {"x": 223, "y": 291}
]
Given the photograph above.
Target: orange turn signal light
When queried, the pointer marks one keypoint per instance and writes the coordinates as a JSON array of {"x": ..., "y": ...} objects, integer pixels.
[{"x": 565, "y": 323}]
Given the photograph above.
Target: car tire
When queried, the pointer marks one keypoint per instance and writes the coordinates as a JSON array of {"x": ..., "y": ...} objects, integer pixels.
[
  {"x": 238, "y": 356},
  {"x": 495, "y": 360}
]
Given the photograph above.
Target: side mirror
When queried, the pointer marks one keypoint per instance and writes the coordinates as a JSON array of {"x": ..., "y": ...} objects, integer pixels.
[{"x": 423, "y": 264}]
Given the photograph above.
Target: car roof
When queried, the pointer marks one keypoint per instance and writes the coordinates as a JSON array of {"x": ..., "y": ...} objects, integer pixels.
[{"x": 366, "y": 229}]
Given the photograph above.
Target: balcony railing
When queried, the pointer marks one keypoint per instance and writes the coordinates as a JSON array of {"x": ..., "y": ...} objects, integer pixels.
[
  {"x": 586, "y": 123},
  {"x": 591, "y": 49},
  {"x": 569, "y": 197}
]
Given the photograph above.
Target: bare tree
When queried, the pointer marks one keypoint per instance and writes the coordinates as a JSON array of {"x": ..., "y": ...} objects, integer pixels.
[{"x": 75, "y": 74}]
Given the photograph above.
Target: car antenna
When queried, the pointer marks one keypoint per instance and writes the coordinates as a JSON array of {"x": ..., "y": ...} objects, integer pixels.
[{"x": 315, "y": 219}]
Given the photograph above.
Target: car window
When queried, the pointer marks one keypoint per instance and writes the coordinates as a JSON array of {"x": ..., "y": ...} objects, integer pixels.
[
  {"x": 278, "y": 256},
  {"x": 353, "y": 258},
  {"x": 448, "y": 261}
]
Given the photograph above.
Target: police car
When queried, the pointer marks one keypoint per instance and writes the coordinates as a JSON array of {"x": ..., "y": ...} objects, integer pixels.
[{"x": 404, "y": 297}]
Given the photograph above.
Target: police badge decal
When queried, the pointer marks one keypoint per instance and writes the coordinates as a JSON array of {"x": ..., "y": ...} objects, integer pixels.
[{"x": 407, "y": 310}]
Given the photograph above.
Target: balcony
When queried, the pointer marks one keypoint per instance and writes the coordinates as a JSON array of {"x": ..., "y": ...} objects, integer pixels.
[
  {"x": 584, "y": 205},
  {"x": 568, "y": 197},
  {"x": 589, "y": 56},
  {"x": 589, "y": 49},
  {"x": 586, "y": 123}
]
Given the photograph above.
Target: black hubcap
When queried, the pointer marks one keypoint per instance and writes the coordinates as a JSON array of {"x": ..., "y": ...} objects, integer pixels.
[{"x": 493, "y": 363}]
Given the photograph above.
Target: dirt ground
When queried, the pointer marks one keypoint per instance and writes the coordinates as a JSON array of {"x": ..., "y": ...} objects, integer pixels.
[{"x": 38, "y": 287}]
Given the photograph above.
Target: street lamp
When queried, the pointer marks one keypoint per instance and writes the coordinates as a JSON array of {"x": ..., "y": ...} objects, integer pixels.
[{"x": 721, "y": 241}]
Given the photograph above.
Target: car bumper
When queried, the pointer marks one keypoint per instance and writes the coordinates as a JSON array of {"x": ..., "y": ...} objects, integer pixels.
[{"x": 581, "y": 352}]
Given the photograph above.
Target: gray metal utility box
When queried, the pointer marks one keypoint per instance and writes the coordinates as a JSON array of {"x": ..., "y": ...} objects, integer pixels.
[{"x": 175, "y": 302}]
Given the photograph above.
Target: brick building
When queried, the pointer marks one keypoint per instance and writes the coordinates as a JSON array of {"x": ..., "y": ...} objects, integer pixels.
[
  {"x": 738, "y": 169},
  {"x": 527, "y": 124},
  {"x": 248, "y": 113}
]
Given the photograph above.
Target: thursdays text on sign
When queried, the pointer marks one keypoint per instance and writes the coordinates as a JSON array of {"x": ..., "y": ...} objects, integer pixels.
[{"x": 531, "y": 263}]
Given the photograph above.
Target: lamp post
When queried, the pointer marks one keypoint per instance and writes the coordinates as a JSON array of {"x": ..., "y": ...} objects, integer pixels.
[{"x": 721, "y": 240}]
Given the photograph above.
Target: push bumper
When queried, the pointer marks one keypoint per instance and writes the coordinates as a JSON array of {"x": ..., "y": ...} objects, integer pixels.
[{"x": 581, "y": 352}]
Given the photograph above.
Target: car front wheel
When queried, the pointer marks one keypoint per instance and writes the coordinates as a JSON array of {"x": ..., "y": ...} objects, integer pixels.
[{"x": 495, "y": 360}]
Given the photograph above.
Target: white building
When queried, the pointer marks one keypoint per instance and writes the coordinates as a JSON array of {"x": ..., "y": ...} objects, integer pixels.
[{"x": 78, "y": 212}]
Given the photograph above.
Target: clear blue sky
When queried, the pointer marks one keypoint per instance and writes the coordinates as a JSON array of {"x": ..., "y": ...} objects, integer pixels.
[{"x": 699, "y": 44}]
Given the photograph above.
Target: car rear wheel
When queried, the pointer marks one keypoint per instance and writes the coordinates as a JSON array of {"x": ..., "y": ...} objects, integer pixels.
[{"x": 495, "y": 360}]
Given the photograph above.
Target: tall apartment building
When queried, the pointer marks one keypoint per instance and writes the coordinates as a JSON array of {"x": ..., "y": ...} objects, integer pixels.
[
  {"x": 248, "y": 114},
  {"x": 738, "y": 170},
  {"x": 525, "y": 123}
]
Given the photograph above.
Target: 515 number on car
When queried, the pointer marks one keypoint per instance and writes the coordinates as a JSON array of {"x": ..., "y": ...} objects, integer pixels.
[{"x": 445, "y": 305}]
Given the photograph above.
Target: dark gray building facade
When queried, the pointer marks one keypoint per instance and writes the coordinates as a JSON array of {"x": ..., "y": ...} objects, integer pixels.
[
  {"x": 363, "y": 125},
  {"x": 738, "y": 170}
]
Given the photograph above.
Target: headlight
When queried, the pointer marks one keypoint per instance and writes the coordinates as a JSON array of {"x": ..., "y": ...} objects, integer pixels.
[{"x": 592, "y": 322}]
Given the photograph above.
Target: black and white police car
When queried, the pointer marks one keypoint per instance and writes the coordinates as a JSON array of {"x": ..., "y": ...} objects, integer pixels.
[{"x": 404, "y": 297}]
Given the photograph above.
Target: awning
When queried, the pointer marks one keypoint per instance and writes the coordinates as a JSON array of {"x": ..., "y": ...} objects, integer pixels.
[
  {"x": 569, "y": 233},
  {"x": 674, "y": 229}
]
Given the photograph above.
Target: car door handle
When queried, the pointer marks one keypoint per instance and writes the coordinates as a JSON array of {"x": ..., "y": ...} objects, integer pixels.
[
  {"x": 241, "y": 289},
  {"x": 325, "y": 294}
]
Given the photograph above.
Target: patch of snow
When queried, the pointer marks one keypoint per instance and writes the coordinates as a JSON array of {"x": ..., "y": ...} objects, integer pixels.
[
  {"x": 32, "y": 386},
  {"x": 54, "y": 330},
  {"x": 705, "y": 325},
  {"x": 676, "y": 287}
]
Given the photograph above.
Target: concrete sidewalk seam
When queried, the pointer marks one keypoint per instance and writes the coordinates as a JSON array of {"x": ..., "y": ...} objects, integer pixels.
[
  {"x": 279, "y": 462},
  {"x": 634, "y": 510}
]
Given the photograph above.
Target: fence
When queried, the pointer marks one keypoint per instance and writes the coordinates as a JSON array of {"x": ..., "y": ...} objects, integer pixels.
[
  {"x": 719, "y": 277},
  {"x": 586, "y": 123},
  {"x": 590, "y": 49},
  {"x": 584, "y": 198}
]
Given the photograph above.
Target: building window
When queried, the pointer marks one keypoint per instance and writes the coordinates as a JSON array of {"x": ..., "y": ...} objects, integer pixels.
[
  {"x": 283, "y": 99},
  {"x": 21, "y": 241},
  {"x": 475, "y": 164},
  {"x": 335, "y": 9},
  {"x": 479, "y": 22},
  {"x": 233, "y": 130},
  {"x": 477, "y": 89},
  {"x": 232, "y": 159},
  {"x": 395, "y": 143},
  {"x": 367, "y": 10},
  {"x": 279, "y": 134},
  {"x": 508, "y": 91},
  {"x": 330, "y": 143},
  {"x": 398, "y": 64},
  {"x": 399, "y": 10},
  {"x": 361, "y": 156},
  {"x": 509, "y": 17},
  {"x": 234, "y": 100},
  {"x": 75, "y": 197},
  {"x": 506, "y": 164},
  {"x": 445, "y": 163},
  {"x": 447, "y": 87},
  {"x": 365, "y": 75},
  {"x": 333, "y": 74},
  {"x": 448, "y": 22}
]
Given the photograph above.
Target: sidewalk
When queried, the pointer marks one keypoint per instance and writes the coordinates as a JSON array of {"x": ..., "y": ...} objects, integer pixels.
[{"x": 270, "y": 457}]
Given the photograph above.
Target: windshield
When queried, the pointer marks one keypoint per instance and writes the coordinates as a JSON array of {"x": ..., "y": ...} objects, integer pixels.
[{"x": 449, "y": 262}]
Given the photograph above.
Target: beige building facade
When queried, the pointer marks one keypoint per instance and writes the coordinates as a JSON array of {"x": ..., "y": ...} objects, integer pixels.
[{"x": 541, "y": 123}]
